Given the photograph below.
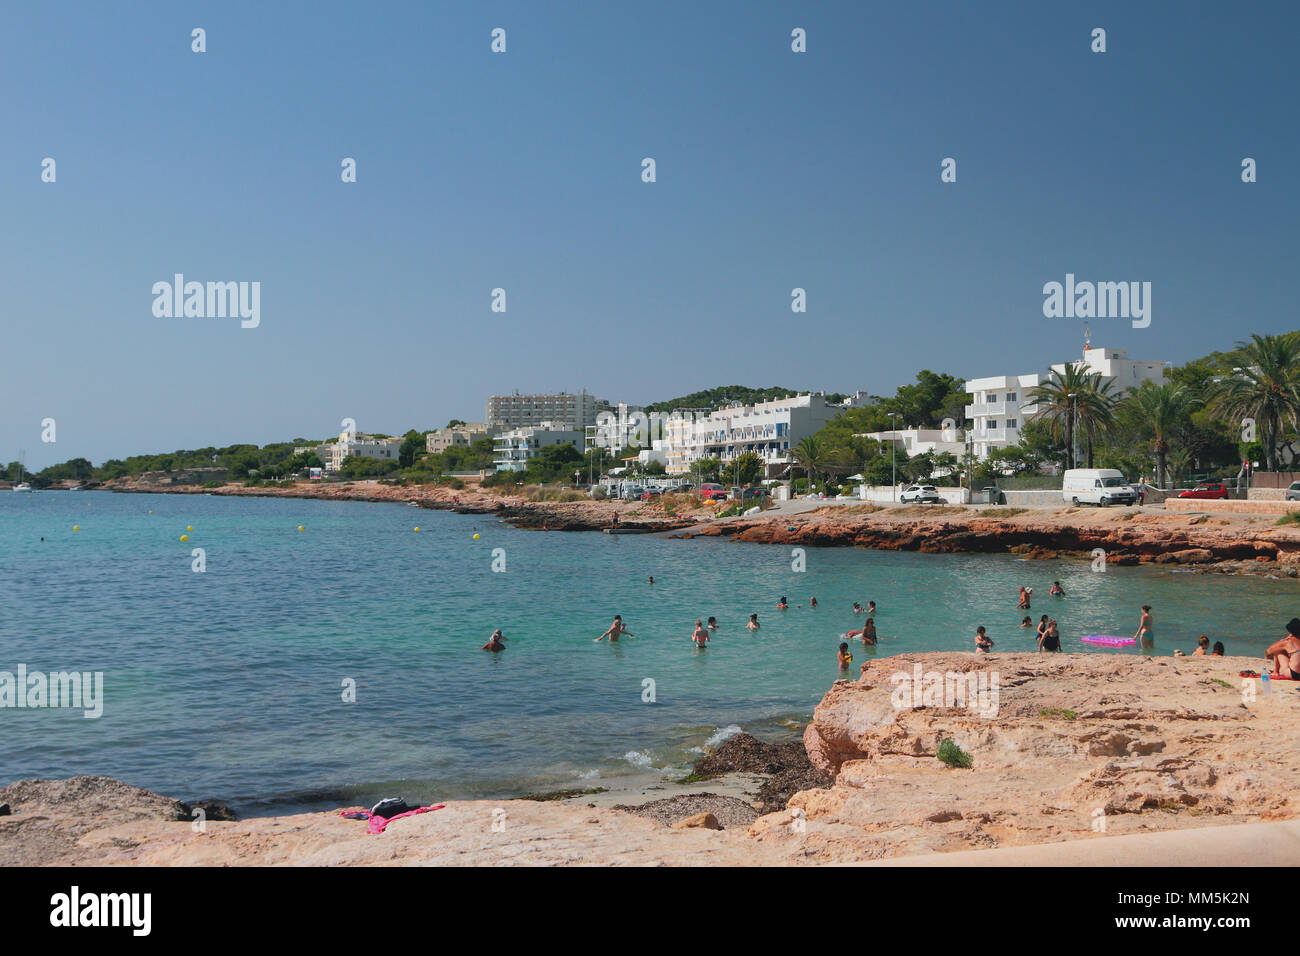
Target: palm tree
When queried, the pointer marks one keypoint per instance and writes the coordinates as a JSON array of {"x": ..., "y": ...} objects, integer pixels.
[
  {"x": 1072, "y": 398},
  {"x": 1267, "y": 389},
  {"x": 808, "y": 455},
  {"x": 1159, "y": 411}
]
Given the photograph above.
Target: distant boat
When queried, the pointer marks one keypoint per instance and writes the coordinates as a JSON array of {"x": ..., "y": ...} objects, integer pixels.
[{"x": 22, "y": 486}]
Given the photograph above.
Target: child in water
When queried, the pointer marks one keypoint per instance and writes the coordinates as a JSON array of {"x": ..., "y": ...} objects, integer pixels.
[{"x": 845, "y": 657}]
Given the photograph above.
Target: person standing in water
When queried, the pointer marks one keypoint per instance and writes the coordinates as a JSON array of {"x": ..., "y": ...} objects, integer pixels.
[
  {"x": 615, "y": 631},
  {"x": 1146, "y": 635},
  {"x": 713, "y": 624},
  {"x": 753, "y": 622},
  {"x": 781, "y": 605},
  {"x": 845, "y": 657},
  {"x": 1023, "y": 604},
  {"x": 495, "y": 643},
  {"x": 871, "y": 608},
  {"x": 812, "y": 602},
  {"x": 700, "y": 636}
]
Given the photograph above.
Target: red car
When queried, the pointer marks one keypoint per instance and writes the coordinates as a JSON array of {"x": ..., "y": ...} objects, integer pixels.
[
  {"x": 713, "y": 492},
  {"x": 1207, "y": 489},
  {"x": 651, "y": 494}
]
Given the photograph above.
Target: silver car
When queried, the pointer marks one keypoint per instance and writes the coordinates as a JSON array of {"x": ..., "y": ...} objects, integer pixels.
[{"x": 1293, "y": 493}]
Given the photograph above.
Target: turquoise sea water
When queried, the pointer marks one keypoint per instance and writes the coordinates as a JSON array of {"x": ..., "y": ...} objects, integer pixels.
[{"x": 227, "y": 684}]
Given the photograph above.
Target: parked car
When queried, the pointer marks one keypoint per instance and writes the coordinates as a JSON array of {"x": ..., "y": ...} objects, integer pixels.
[
  {"x": 921, "y": 494},
  {"x": 756, "y": 492},
  {"x": 710, "y": 491},
  {"x": 1293, "y": 493},
  {"x": 652, "y": 493},
  {"x": 1097, "y": 486},
  {"x": 632, "y": 492},
  {"x": 1207, "y": 489}
]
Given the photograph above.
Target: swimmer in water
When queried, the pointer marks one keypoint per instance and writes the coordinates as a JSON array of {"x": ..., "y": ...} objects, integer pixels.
[
  {"x": 1026, "y": 622},
  {"x": 652, "y": 579},
  {"x": 782, "y": 605},
  {"x": 845, "y": 657},
  {"x": 700, "y": 636},
  {"x": 1024, "y": 598},
  {"x": 1057, "y": 590},
  {"x": 857, "y": 608},
  {"x": 615, "y": 631},
  {"x": 497, "y": 642},
  {"x": 713, "y": 624},
  {"x": 983, "y": 644},
  {"x": 871, "y": 608},
  {"x": 812, "y": 602},
  {"x": 753, "y": 622}
]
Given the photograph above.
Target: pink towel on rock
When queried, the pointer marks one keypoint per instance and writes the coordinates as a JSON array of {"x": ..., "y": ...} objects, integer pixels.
[{"x": 376, "y": 824}]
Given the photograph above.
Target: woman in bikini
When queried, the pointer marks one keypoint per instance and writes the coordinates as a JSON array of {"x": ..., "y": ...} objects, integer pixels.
[
  {"x": 1285, "y": 654},
  {"x": 753, "y": 622},
  {"x": 1146, "y": 635}
]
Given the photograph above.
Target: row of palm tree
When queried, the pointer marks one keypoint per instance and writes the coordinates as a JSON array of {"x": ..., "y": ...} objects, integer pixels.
[{"x": 1266, "y": 390}]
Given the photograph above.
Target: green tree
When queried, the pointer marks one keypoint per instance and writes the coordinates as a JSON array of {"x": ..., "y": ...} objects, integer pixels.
[
  {"x": 1075, "y": 399},
  {"x": 1157, "y": 412},
  {"x": 413, "y": 445},
  {"x": 745, "y": 468},
  {"x": 1266, "y": 388}
]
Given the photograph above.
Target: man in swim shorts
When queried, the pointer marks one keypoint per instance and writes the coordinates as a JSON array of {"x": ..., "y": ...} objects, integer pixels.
[
  {"x": 615, "y": 630},
  {"x": 495, "y": 643}
]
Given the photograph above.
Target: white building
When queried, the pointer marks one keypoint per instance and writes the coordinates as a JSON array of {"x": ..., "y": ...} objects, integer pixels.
[
  {"x": 513, "y": 448},
  {"x": 506, "y": 412},
  {"x": 918, "y": 441},
  {"x": 1000, "y": 405},
  {"x": 768, "y": 429},
  {"x": 618, "y": 427},
  {"x": 355, "y": 444}
]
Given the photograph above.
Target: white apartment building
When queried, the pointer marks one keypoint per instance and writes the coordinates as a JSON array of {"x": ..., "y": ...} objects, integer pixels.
[
  {"x": 918, "y": 441},
  {"x": 355, "y": 444},
  {"x": 1000, "y": 404},
  {"x": 505, "y": 412},
  {"x": 768, "y": 429},
  {"x": 618, "y": 427},
  {"x": 514, "y": 447},
  {"x": 458, "y": 435}
]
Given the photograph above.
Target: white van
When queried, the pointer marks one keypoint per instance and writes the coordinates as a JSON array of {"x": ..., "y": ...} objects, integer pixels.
[{"x": 1097, "y": 486}]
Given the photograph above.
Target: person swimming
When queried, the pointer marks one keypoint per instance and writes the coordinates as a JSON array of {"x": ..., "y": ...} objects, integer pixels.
[
  {"x": 700, "y": 636},
  {"x": 753, "y": 622},
  {"x": 713, "y": 624},
  {"x": 845, "y": 658},
  {"x": 812, "y": 602},
  {"x": 857, "y": 608},
  {"x": 871, "y": 608},
  {"x": 1146, "y": 634},
  {"x": 1026, "y": 622},
  {"x": 615, "y": 631},
  {"x": 1057, "y": 590},
  {"x": 781, "y": 605},
  {"x": 495, "y": 643},
  {"x": 983, "y": 644}
]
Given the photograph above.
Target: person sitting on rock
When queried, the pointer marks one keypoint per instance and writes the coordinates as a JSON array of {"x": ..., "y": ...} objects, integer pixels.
[
  {"x": 1202, "y": 647},
  {"x": 1285, "y": 654}
]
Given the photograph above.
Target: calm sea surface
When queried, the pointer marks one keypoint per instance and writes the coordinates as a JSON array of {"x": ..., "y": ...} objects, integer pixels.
[{"x": 228, "y": 684}]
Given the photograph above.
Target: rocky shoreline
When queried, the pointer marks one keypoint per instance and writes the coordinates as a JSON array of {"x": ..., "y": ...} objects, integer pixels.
[
  {"x": 1074, "y": 748},
  {"x": 1226, "y": 543}
]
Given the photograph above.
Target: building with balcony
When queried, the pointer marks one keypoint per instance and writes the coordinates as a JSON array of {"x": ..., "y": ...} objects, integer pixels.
[
  {"x": 505, "y": 412},
  {"x": 357, "y": 445},
  {"x": 514, "y": 447},
  {"x": 458, "y": 435}
]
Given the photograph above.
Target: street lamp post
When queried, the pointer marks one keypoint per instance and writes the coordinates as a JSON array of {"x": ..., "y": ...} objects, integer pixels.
[{"x": 893, "y": 445}]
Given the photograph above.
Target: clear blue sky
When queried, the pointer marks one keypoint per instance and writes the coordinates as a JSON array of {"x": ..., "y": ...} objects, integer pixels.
[{"x": 522, "y": 171}]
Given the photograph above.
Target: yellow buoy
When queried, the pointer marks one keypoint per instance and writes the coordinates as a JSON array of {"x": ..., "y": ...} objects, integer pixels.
[
  {"x": 76, "y": 527},
  {"x": 189, "y": 527},
  {"x": 185, "y": 537},
  {"x": 299, "y": 527},
  {"x": 476, "y": 536},
  {"x": 417, "y": 527}
]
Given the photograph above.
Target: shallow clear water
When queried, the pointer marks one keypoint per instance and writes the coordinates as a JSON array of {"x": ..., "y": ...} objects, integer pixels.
[{"x": 227, "y": 684}]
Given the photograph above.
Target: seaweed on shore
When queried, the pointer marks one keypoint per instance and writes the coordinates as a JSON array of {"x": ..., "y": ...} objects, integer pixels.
[
  {"x": 785, "y": 765},
  {"x": 562, "y": 794}
]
